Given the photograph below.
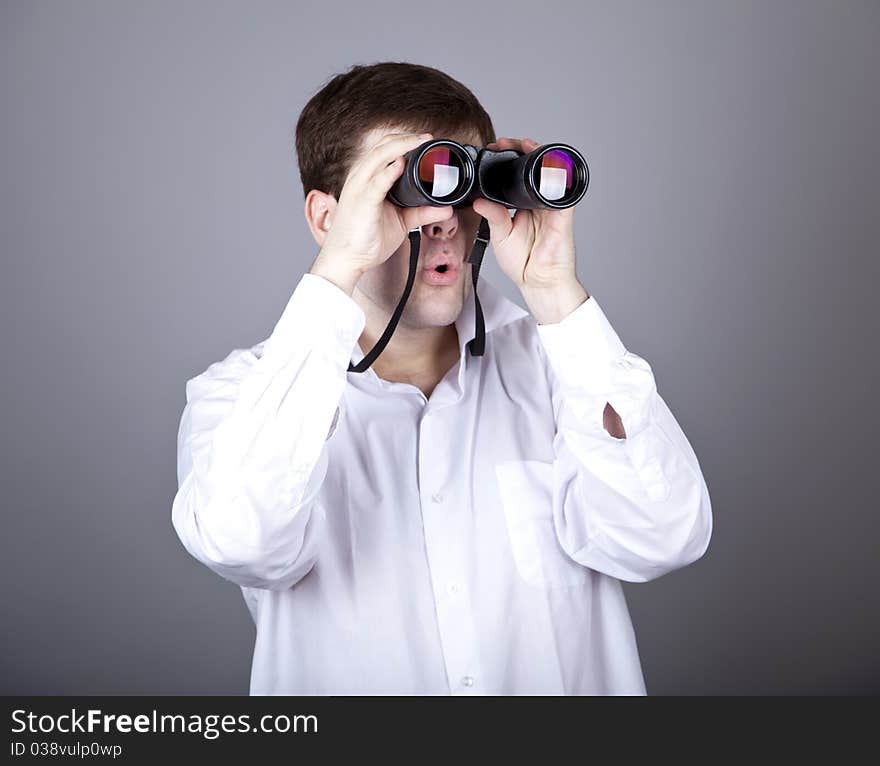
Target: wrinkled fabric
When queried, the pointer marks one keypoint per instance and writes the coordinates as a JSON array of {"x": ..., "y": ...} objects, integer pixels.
[{"x": 470, "y": 543}]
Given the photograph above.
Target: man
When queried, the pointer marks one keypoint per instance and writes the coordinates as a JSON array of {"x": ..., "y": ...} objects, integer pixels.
[{"x": 441, "y": 523}]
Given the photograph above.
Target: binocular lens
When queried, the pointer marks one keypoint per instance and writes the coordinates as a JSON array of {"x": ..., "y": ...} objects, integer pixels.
[
  {"x": 445, "y": 172},
  {"x": 555, "y": 175},
  {"x": 442, "y": 173}
]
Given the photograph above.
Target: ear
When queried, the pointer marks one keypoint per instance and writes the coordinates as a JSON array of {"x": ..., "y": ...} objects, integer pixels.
[{"x": 319, "y": 210}]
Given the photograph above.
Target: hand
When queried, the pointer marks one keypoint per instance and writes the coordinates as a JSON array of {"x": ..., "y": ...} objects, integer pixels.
[
  {"x": 535, "y": 249},
  {"x": 366, "y": 228}
]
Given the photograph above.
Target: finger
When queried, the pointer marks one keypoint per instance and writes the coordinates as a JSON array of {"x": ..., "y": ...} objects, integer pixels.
[
  {"x": 508, "y": 143},
  {"x": 369, "y": 162},
  {"x": 390, "y": 137},
  {"x": 379, "y": 185},
  {"x": 421, "y": 216},
  {"x": 500, "y": 224},
  {"x": 524, "y": 145},
  {"x": 384, "y": 153}
]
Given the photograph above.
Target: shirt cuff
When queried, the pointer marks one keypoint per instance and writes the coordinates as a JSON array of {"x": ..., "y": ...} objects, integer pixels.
[
  {"x": 321, "y": 314},
  {"x": 593, "y": 367},
  {"x": 583, "y": 346}
]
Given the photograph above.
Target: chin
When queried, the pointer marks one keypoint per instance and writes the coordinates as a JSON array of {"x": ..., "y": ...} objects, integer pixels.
[{"x": 438, "y": 314}]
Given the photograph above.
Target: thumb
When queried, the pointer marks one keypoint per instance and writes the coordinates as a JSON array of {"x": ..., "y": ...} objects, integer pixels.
[
  {"x": 420, "y": 216},
  {"x": 499, "y": 220}
]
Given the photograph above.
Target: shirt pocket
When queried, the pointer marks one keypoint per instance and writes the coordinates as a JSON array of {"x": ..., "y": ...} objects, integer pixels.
[{"x": 526, "y": 490}]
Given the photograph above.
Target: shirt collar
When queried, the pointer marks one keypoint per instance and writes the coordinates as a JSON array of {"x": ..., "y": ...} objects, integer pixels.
[{"x": 498, "y": 310}]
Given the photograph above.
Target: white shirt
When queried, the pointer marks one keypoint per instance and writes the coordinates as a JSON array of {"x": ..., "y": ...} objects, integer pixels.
[{"x": 469, "y": 543}]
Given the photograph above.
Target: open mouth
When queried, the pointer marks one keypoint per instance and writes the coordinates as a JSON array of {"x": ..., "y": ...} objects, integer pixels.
[
  {"x": 443, "y": 273},
  {"x": 442, "y": 266}
]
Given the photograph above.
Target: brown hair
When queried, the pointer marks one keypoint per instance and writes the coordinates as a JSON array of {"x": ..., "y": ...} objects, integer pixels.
[{"x": 414, "y": 97}]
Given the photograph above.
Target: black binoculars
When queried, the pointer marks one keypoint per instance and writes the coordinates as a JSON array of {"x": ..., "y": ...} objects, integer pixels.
[{"x": 445, "y": 173}]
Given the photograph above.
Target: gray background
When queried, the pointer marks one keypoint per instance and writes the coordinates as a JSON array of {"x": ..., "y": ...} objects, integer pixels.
[{"x": 152, "y": 221}]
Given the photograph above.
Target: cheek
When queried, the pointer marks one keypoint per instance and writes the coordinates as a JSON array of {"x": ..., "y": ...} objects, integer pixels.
[
  {"x": 396, "y": 268},
  {"x": 469, "y": 234},
  {"x": 388, "y": 278}
]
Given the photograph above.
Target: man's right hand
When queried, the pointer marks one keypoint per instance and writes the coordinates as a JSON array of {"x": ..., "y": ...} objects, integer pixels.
[{"x": 366, "y": 228}]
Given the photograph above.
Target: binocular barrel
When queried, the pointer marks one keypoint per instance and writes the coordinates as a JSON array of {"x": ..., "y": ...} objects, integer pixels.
[{"x": 443, "y": 172}]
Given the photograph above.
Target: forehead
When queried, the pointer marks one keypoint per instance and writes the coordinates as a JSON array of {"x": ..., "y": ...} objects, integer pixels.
[{"x": 372, "y": 137}]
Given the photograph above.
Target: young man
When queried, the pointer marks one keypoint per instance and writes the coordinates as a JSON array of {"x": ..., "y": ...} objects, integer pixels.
[{"x": 442, "y": 523}]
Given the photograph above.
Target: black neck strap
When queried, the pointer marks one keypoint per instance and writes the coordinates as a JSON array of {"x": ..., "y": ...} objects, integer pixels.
[{"x": 478, "y": 344}]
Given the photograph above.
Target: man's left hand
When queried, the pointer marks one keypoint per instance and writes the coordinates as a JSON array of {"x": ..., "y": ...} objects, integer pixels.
[{"x": 536, "y": 250}]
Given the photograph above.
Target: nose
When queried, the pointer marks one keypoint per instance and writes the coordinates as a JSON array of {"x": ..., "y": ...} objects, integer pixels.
[{"x": 442, "y": 229}]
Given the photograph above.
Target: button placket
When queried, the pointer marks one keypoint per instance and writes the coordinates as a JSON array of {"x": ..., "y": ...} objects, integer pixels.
[{"x": 446, "y": 549}]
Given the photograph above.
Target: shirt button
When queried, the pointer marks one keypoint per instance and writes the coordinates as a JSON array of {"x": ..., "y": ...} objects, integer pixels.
[
  {"x": 437, "y": 497},
  {"x": 452, "y": 589},
  {"x": 468, "y": 681}
]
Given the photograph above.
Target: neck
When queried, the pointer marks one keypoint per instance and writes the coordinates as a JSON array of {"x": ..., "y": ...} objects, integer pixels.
[{"x": 413, "y": 354}]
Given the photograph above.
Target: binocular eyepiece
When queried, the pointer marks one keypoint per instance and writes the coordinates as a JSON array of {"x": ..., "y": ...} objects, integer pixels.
[{"x": 445, "y": 173}]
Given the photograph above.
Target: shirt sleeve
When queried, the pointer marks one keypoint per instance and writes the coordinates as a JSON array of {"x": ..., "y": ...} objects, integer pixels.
[
  {"x": 633, "y": 508},
  {"x": 252, "y": 444}
]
